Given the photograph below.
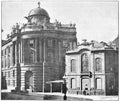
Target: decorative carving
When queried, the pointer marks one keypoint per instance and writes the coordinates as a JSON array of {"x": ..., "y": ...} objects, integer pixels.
[{"x": 29, "y": 19}]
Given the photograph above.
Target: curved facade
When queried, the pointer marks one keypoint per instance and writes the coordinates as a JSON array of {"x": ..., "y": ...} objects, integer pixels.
[{"x": 37, "y": 52}]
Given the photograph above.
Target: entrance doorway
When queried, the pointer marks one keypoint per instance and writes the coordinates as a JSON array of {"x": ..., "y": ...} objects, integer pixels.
[
  {"x": 85, "y": 83},
  {"x": 29, "y": 80}
]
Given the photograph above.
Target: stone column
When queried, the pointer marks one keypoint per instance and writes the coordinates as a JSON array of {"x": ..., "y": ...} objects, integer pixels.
[
  {"x": 44, "y": 62},
  {"x": 18, "y": 64},
  {"x": 56, "y": 51},
  {"x": 11, "y": 57},
  {"x": 45, "y": 50},
  {"x": 40, "y": 50},
  {"x": 21, "y": 50},
  {"x": 16, "y": 53},
  {"x": 60, "y": 49},
  {"x": 93, "y": 69},
  {"x": 36, "y": 50},
  {"x": 6, "y": 57},
  {"x": 19, "y": 47}
]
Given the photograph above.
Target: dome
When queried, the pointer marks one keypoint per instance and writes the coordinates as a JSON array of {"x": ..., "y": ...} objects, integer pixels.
[
  {"x": 38, "y": 11},
  {"x": 38, "y": 16}
]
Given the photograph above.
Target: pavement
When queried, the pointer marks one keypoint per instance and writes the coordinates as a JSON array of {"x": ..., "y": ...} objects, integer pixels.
[
  {"x": 93, "y": 97},
  {"x": 74, "y": 96}
]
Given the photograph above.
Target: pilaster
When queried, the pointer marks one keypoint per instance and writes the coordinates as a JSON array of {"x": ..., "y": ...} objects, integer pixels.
[
  {"x": 36, "y": 51},
  {"x": 40, "y": 50}
]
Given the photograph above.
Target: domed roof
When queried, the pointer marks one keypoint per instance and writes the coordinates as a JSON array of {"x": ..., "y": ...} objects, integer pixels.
[{"x": 38, "y": 11}]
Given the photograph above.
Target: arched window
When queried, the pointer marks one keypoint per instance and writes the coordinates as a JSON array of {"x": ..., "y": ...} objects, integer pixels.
[
  {"x": 84, "y": 63},
  {"x": 73, "y": 65},
  {"x": 98, "y": 65},
  {"x": 73, "y": 83},
  {"x": 98, "y": 83}
]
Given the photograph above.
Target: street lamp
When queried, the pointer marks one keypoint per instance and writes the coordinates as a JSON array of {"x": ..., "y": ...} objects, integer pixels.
[
  {"x": 64, "y": 88},
  {"x": 44, "y": 67}
]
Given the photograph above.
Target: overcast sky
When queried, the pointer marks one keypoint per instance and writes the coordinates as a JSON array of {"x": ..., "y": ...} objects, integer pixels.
[{"x": 95, "y": 20}]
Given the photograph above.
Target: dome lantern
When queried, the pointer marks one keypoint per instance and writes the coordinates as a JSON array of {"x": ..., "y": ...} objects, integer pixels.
[{"x": 38, "y": 4}]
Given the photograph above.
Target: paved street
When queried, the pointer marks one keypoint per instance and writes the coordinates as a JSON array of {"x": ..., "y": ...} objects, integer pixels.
[
  {"x": 56, "y": 96},
  {"x": 95, "y": 98}
]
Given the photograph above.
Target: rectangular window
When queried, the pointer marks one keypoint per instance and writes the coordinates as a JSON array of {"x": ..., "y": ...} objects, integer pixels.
[
  {"x": 8, "y": 73},
  {"x": 2, "y": 53},
  {"x": 73, "y": 83},
  {"x": 65, "y": 43},
  {"x": 32, "y": 50},
  {"x": 98, "y": 83},
  {"x": 74, "y": 45},
  {"x": 13, "y": 82},
  {"x": 8, "y": 60},
  {"x": 5, "y": 61},
  {"x": 8, "y": 82},
  {"x": 31, "y": 43},
  {"x": 13, "y": 73},
  {"x": 50, "y": 57},
  {"x": 50, "y": 42},
  {"x": 73, "y": 65}
]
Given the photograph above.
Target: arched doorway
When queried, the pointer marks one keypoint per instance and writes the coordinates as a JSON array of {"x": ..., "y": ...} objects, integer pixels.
[{"x": 29, "y": 80}]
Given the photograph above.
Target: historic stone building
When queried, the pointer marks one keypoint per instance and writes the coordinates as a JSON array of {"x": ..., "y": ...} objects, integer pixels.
[
  {"x": 93, "y": 67},
  {"x": 34, "y": 53}
]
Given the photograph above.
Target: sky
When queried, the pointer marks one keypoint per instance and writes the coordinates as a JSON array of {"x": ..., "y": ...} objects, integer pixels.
[{"x": 94, "y": 19}]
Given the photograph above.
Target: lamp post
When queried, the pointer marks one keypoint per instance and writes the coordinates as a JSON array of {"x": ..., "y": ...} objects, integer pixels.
[
  {"x": 44, "y": 67},
  {"x": 64, "y": 88}
]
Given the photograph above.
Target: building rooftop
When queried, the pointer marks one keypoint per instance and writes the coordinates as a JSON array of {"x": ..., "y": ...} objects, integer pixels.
[
  {"x": 38, "y": 12},
  {"x": 92, "y": 46}
]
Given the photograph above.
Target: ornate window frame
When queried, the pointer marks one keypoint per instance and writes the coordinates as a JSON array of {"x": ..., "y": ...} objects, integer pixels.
[
  {"x": 73, "y": 65},
  {"x": 84, "y": 63},
  {"x": 98, "y": 64}
]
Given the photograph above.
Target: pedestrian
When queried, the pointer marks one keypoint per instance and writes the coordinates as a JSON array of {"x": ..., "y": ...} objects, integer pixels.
[
  {"x": 85, "y": 90},
  {"x": 64, "y": 91}
]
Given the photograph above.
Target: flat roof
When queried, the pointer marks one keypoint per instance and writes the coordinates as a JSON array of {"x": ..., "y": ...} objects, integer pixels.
[{"x": 55, "y": 81}]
